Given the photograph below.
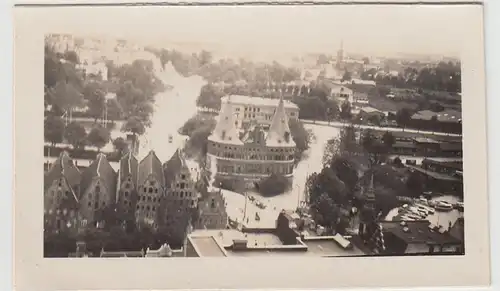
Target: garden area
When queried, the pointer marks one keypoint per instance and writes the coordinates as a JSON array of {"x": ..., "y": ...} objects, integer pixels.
[{"x": 82, "y": 110}]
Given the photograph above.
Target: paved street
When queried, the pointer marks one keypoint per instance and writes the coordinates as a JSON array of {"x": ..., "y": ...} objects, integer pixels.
[{"x": 379, "y": 128}]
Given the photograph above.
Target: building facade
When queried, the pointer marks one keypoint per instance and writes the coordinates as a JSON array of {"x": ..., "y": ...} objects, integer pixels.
[
  {"x": 126, "y": 196},
  {"x": 250, "y": 154},
  {"x": 212, "y": 212},
  {"x": 61, "y": 200},
  {"x": 248, "y": 109},
  {"x": 181, "y": 193},
  {"x": 98, "y": 188},
  {"x": 150, "y": 191}
]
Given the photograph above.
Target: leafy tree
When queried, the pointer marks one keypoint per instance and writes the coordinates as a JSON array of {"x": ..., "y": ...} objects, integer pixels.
[
  {"x": 368, "y": 140},
  {"x": 397, "y": 161},
  {"x": 415, "y": 183},
  {"x": 403, "y": 117},
  {"x": 388, "y": 139},
  {"x": 332, "y": 110},
  {"x": 197, "y": 122},
  {"x": 71, "y": 56},
  {"x": 54, "y": 129},
  {"x": 198, "y": 140},
  {"x": 322, "y": 59},
  {"x": 205, "y": 58},
  {"x": 98, "y": 137},
  {"x": 311, "y": 108},
  {"x": 325, "y": 212},
  {"x": 273, "y": 185},
  {"x": 135, "y": 125},
  {"x": 345, "y": 110},
  {"x": 114, "y": 108},
  {"x": 300, "y": 135},
  {"x": 347, "y": 76},
  {"x": 346, "y": 171},
  {"x": 66, "y": 96},
  {"x": 120, "y": 145},
  {"x": 96, "y": 99},
  {"x": 76, "y": 135}
]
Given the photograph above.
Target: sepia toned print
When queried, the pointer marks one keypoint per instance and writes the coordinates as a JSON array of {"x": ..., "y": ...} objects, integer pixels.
[
  {"x": 322, "y": 154},
  {"x": 340, "y": 138}
]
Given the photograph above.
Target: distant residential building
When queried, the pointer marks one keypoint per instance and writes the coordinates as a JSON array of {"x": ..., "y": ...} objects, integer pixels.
[
  {"x": 248, "y": 109},
  {"x": 98, "y": 188},
  {"x": 340, "y": 92},
  {"x": 150, "y": 191},
  {"x": 212, "y": 212},
  {"x": 442, "y": 167},
  {"x": 371, "y": 114},
  {"x": 361, "y": 99},
  {"x": 445, "y": 121}
]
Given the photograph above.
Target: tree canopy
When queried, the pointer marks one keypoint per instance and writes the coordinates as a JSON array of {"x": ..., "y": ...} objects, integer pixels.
[
  {"x": 54, "y": 129},
  {"x": 98, "y": 136},
  {"x": 76, "y": 135}
]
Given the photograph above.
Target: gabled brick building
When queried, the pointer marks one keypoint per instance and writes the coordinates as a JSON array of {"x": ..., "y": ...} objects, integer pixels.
[
  {"x": 126, "y": 194},
  {"x": 98, "y": 188},
  {"x": 61, "y": 185},
  {"x": 150, "y": 190}
]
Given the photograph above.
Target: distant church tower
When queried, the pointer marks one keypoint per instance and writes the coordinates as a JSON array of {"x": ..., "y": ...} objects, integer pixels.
[
  {"x": 340, "y": 56},
  {"x": 368, "y": 213}
]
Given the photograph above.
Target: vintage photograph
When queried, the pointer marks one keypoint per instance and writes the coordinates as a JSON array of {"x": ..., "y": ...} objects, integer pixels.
[{"x": 314, "y": 138}]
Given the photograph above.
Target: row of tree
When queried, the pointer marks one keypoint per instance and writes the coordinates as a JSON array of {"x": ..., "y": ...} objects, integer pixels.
[
  {"x": 127, "y": 94},
  {"x": 55, "y": 131},
  {"x": 349, "y": 162},
  {"x": 445, "y": 76}
]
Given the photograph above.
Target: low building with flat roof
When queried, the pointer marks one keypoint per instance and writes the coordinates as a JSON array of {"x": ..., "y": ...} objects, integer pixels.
[
  {"x": 417, "y": 238},
  {"x": 284, "y": 240}
]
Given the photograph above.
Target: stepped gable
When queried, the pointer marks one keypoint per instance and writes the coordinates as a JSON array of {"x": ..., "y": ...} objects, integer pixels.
[
  {"x": 101, "y": 168},
  {"x": 128, "y": 166},
  {"x": 279, "y": 132},
  {"x": 64, "y": 167},
  {"x": 173, "y": 166},
  {"x": 225, "y": 130},
  {"x": 150, "y": 165}
]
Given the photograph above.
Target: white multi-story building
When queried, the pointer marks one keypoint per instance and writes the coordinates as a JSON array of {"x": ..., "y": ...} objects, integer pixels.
[{"x": 248, "y": 109}]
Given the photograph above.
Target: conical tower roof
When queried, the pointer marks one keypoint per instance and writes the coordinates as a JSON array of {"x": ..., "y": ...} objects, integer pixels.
[
  {"x": 225, "y": 130},
  {"x": 279, "y": 132}
]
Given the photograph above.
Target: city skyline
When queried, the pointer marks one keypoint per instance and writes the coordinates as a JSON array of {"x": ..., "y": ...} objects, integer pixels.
[{"x": 368, "y": 30}]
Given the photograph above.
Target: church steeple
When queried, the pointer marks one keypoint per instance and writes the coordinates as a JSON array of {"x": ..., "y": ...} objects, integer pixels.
[
  {"x": 370, "y": 193},
  {"x": 225, "y": 130},
  {"x": 279, "y": 131}
]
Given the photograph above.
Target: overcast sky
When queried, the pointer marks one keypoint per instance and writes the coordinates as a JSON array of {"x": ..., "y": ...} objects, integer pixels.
[{"x": 364, "y": 29}]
